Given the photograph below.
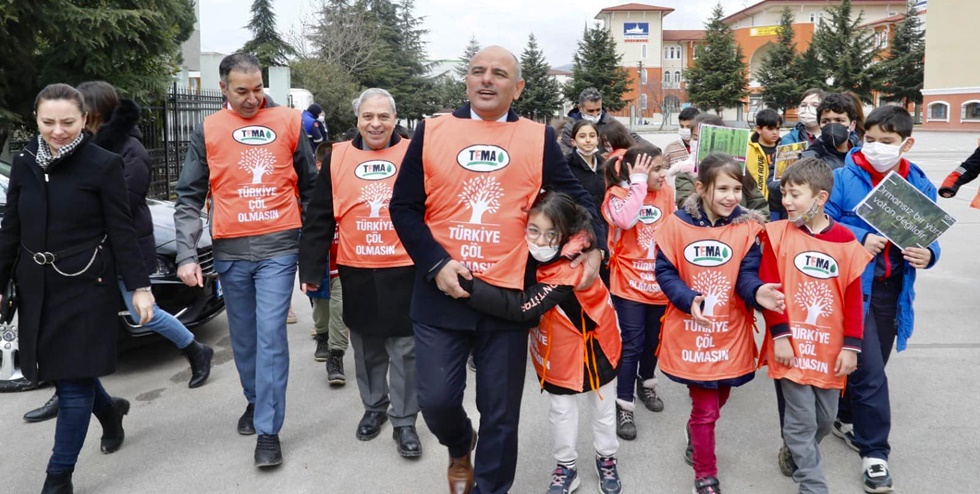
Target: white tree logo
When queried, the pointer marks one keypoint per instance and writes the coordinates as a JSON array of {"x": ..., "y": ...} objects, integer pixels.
[
  {"x": 715, "y": 288},
  {"x": 816, "y": 299},
  {"x": 646, "y": 240},
  {"x": 257, "y": 161},
  {"x": 481, "y": 194},
  {"x": 377, "y": 196}
]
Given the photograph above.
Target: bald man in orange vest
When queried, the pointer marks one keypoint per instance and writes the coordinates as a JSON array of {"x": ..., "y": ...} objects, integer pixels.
[{"x": 458, "y": 207}]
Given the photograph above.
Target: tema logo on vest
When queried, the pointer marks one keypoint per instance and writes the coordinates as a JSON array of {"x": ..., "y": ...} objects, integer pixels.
[
  {"x": 254, "y": 135},
  {"x": 816, "y": 265},
  {"x": 483, "y": 158},
  {"x": 374, "y": 170},
  {"x": 708, "y": 253},
  {"x": 650, "y": 214}
]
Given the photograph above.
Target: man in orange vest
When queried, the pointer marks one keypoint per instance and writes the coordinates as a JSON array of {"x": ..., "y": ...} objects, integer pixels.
[
  {"x": 459, "y": 209},
  {"x": 376, "y": 274},
  {"x": 251, "y": 159}
]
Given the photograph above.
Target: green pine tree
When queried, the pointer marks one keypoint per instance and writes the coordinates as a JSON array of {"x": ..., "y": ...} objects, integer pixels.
[
  {"x": 718, "y": 77},
  {"x": 596, "y": 64},
  {"x": 810, "y": 73},
  {"x": 541, "y": 98},
  {"x": 846, "y": 51},
  {"x": 135, "y": 46},
  {"x": 464, "y": 62},
  {"x": 777, "y": 72},
  {"x": 903, "y": 70},
  {"x": 266, "y": 44}
]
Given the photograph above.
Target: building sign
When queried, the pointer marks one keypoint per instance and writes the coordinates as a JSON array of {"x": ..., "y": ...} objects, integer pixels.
[
  {"x": 764, "y": 31},
  {"x": 636, "y": 32}
]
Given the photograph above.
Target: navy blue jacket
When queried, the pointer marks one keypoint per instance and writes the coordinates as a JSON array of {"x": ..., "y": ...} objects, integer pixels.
[{"x": 429, "y": 305}]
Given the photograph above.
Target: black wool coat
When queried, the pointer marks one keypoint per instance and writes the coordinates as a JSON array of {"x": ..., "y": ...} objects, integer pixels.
[
  {"x": 68, "y": 325},
  {"x": 121, "y": 136}
]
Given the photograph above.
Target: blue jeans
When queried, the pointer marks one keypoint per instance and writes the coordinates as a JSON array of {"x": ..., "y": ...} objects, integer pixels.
[
  {"x": 162, "y": 323},
  {"x": 78, "y": 399},
  {"x": 639, "y": 326},
  {"x": 257, "y": 296}
]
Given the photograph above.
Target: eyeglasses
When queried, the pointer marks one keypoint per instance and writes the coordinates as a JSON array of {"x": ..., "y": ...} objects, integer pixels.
[{"x": 534, "y": 234}]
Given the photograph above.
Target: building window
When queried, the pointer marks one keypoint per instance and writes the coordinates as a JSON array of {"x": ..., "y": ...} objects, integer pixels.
[
  {"x": 643, "y": 76},
  {"x": 971, "y": 111},
  {"x": 643, "y": 102},
  {"x": 677, "y": 76},
  {"x": 813, "y": 17},
  {"x": 939, "y": 110},
  {"x": 643, "y": 51},
  {"x": 672, "y": 103}
]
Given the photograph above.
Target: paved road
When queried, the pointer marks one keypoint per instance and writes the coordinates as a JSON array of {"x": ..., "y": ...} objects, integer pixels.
[{"x": 184, "y": 441}]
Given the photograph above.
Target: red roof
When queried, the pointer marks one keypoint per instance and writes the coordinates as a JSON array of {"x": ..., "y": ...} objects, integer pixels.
[
  {"x": 683, "y": 34},
  {"x": 636, "y": 7},
  {"x": 821, "y": 3},
  {"x": 887, "y": 20}
]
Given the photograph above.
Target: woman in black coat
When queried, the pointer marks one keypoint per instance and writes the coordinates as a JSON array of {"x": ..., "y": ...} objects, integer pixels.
[
  {"x": 113, "y": 123},
  {"x": 66, "y": 235}
]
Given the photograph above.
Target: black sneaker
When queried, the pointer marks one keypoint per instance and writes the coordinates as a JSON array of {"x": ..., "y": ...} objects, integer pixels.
[
  {"x": 648, "y": 395},
  {"x": 322, "y": 352},
  {"x": 246, "y": 423},
  {"x": 707, "y": 485},
  {"x": 689, "y": 450},
  {"x": 785, "y": 461},
  {"x": 609, "y": 482},
  {"x": 564, "y": 480},
  {"x": 845, "y": 431},
  {"x": 625, "y": 426},
  {"x": 268, "y": 451},
  {"x": 335, "y": 368},
  {"x": 878, "y": 479}
]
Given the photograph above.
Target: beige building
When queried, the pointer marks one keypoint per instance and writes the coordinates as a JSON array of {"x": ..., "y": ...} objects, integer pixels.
[{"x": 951, "y": 93}]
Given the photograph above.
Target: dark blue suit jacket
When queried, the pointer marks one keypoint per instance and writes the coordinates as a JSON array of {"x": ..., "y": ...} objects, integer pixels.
[{"x": 407, "y": 208}]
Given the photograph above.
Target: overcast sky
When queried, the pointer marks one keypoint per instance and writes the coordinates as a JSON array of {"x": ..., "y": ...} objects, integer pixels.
[{"x": 557, "y": 24}]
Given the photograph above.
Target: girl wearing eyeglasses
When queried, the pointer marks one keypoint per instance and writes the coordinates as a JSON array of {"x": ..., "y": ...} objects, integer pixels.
[{"x": 574, "y": 327}]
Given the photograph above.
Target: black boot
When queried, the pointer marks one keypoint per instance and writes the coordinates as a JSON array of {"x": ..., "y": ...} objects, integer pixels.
[
  {"x": 47, "y": 411},
  {"x": 199, "y": 356},
  {"x": 57, "y": 483},
  {"x": 112, "y": 429}
]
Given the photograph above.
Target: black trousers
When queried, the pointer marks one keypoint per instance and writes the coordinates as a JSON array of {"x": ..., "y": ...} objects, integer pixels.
[{"x": 501, "y": 360}]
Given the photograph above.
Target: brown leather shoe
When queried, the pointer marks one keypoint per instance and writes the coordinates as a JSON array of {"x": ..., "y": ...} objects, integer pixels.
[{"x": 461, "y": 472}]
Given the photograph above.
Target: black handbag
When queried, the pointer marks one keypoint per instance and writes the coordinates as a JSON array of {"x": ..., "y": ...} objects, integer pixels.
[{"x": 8, "y": 306}]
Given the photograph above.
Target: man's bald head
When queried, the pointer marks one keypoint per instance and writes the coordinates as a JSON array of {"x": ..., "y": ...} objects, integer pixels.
[{"x": 493, "y": 82}]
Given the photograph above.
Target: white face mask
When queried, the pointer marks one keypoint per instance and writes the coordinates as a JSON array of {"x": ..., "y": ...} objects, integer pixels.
[
  {"x": 808, "y": 117},
  {"x": 882, "y": 157},
  {"x": 541, "y": 254},
  {"x": 587, "y": 153},
  {"x": 806, "y": 216},
  {"x": 591, "y": 118},
  {"x": 685, "y": 134}
]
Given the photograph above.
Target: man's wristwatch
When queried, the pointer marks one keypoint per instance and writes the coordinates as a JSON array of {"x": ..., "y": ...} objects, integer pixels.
[{"x": 144, "y": 289}]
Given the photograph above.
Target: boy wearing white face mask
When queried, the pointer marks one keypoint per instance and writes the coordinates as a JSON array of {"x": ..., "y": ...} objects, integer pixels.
[
  {"x": 679, "y": 150},
  {"x": 808, "y": 128},
  {"x": 864, "y": 415}
]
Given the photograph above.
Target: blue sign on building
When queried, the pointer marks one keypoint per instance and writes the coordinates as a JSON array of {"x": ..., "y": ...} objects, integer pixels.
[{"x": 636, "y": 31}]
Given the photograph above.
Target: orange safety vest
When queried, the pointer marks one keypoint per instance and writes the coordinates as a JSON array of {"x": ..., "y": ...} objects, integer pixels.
[
  {"x": 708, "y": 260},
  {"x": 632, "y": 257},
  {"x": 480, "y": 180},
  {"x": 815, "y": 274},
  {"x": 253, "y": 179},
  {"x": 559, "y": 349},
  {"x": 362, "y": 183}
]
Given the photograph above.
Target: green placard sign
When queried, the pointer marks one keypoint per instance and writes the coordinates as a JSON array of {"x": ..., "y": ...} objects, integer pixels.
[{"x": 903, "y": 214}]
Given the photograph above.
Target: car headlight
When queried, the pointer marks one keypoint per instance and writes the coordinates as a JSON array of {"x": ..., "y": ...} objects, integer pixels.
[{"x": 165, "y": 268}]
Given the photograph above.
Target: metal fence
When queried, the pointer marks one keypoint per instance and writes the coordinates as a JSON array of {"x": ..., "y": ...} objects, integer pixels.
[{"x": 167, "y": 126}]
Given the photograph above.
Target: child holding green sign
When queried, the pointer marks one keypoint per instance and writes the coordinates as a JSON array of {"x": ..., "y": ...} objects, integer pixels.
[{"x": 864, "y": 415}]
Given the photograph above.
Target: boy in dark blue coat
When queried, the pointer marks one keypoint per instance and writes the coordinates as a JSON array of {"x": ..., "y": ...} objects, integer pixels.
[{"x": 864, "y": 415}]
